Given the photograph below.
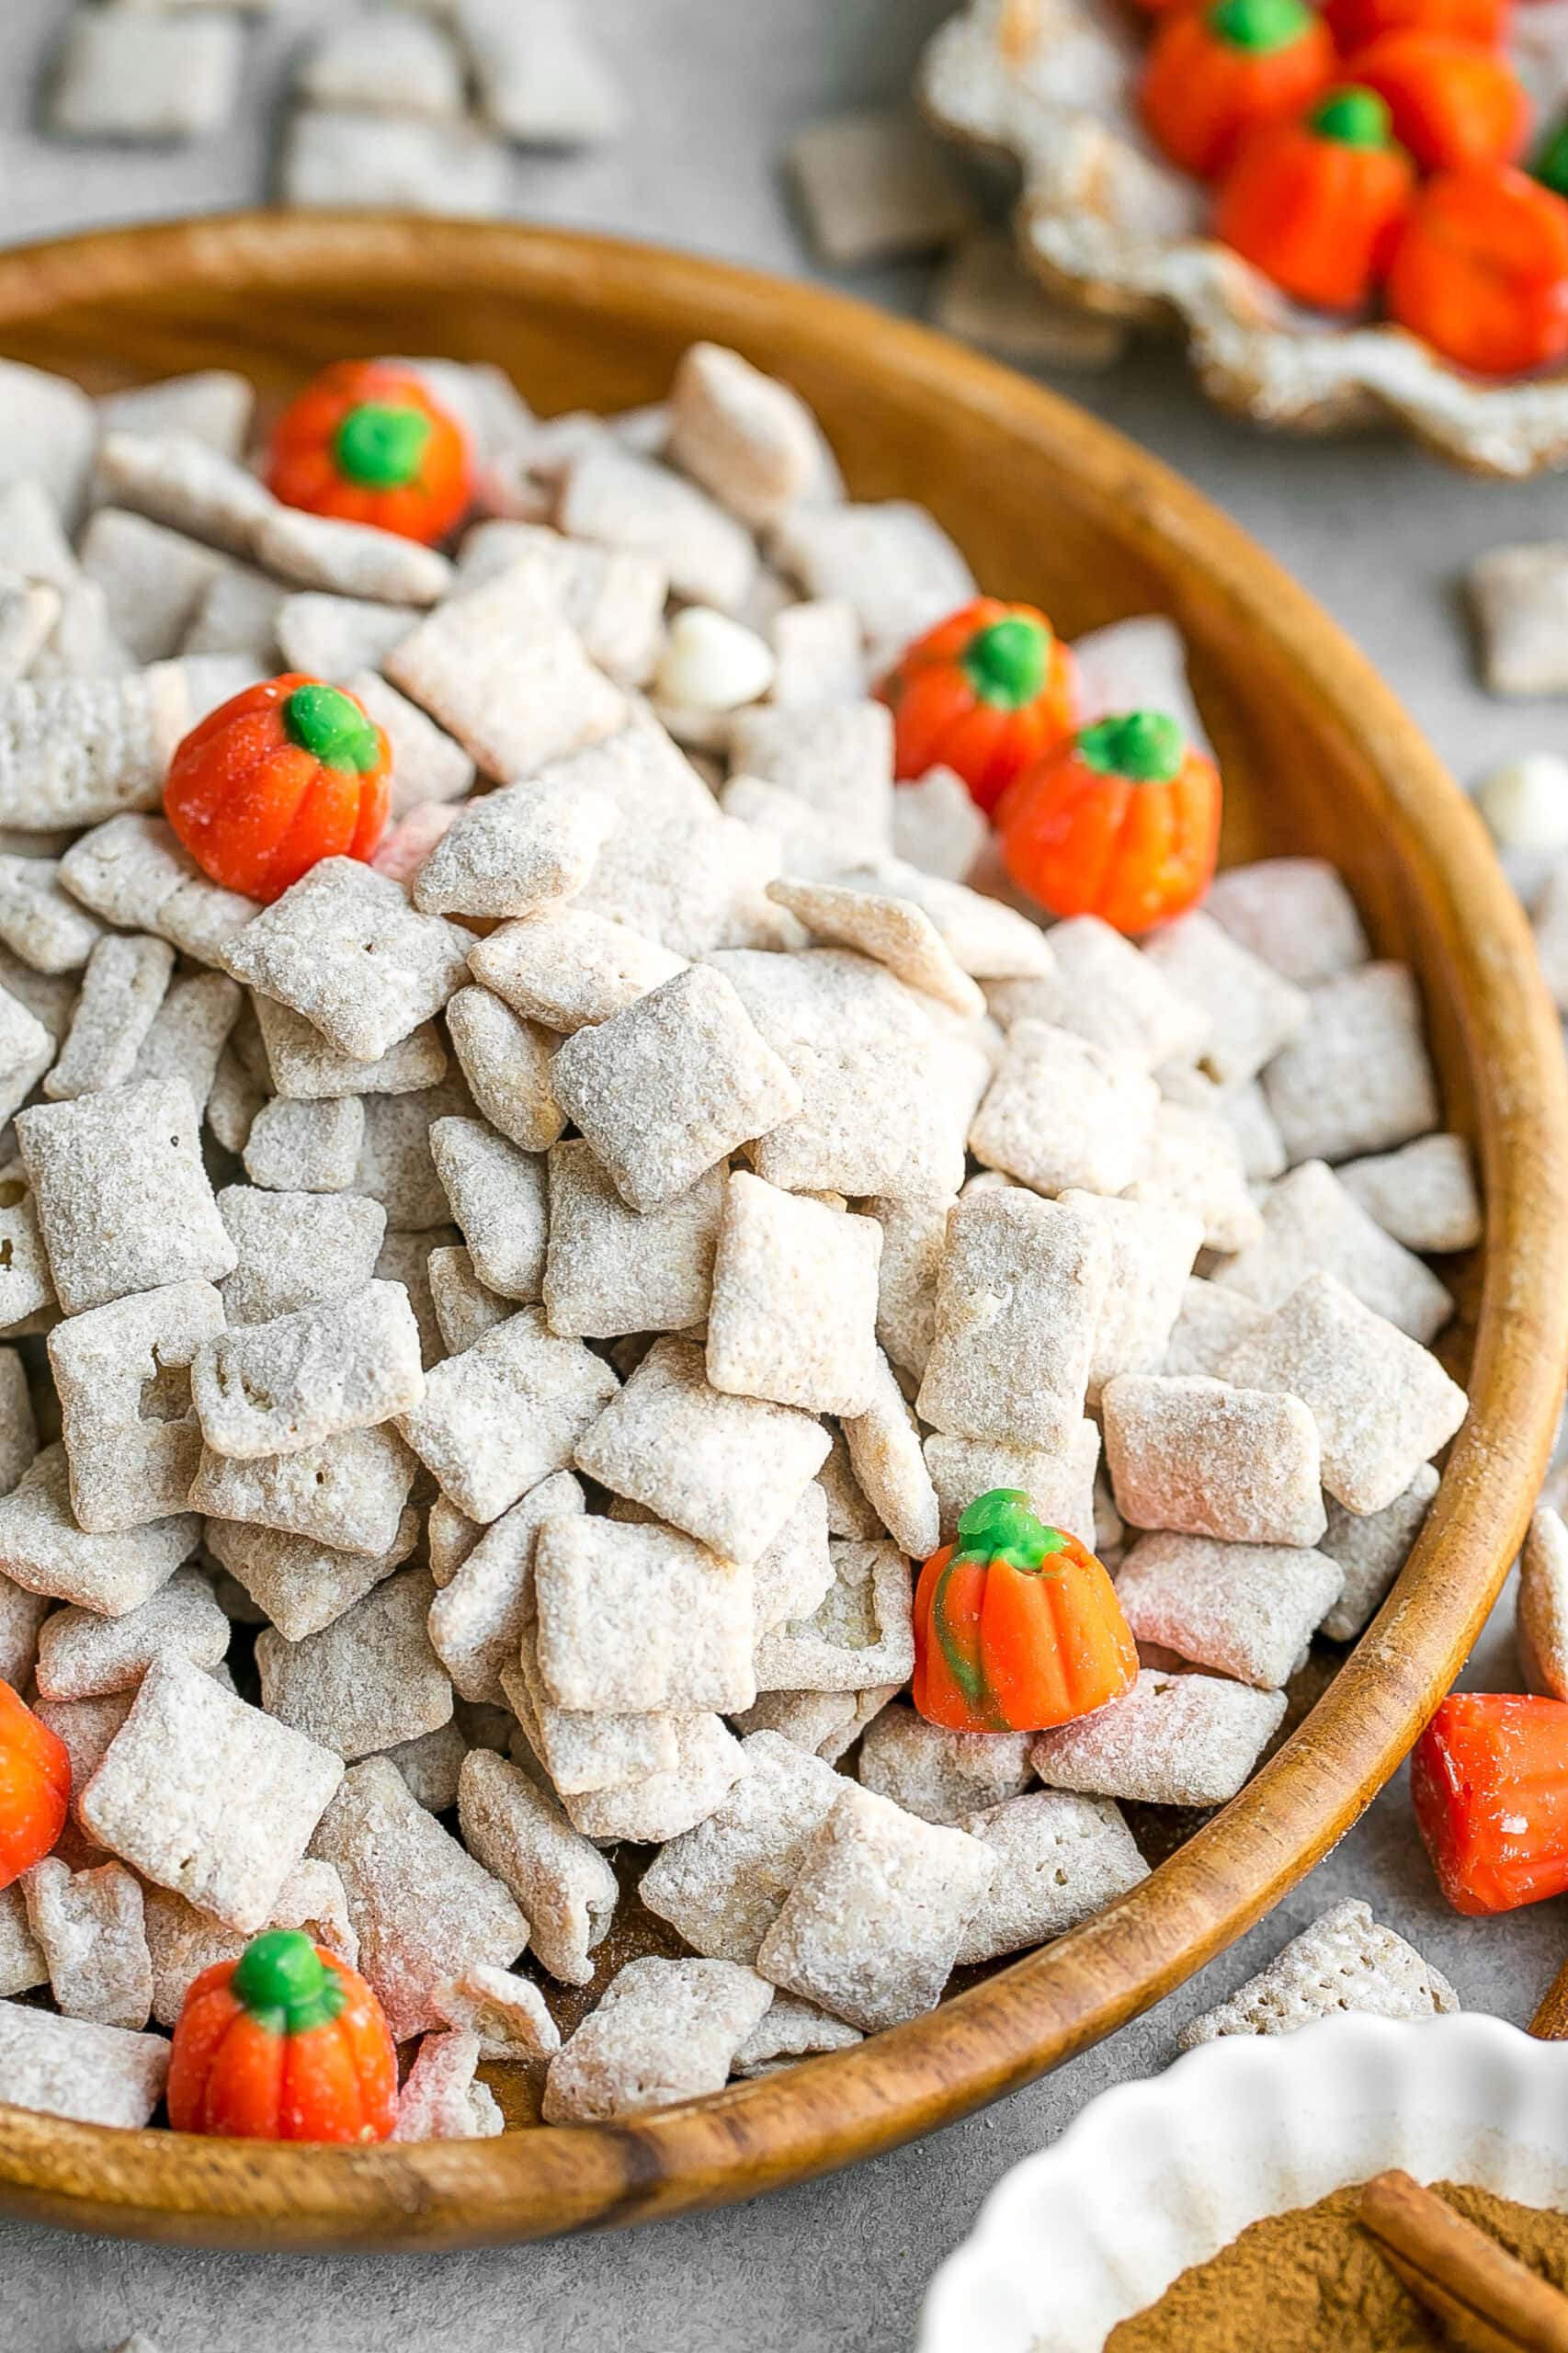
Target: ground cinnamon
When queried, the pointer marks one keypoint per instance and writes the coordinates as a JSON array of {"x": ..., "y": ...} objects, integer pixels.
[{"x": 1311, "y": 2281}]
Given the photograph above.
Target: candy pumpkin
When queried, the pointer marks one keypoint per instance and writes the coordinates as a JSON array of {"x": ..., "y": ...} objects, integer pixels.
[
  {"x": 1454, "y": 103},
  {"x": 366, "y": 443},
  {"x": 287, "y": 773},
  {"x": 35, "y": 1787},
  {"x": 984, "y": 693},
  {"x": 1480, "y": 271},
  {"x": 287, "y": 2043},
  {"x": 1121, "y": 821},
  {"x": 1317, "y": 205},
  {"x": 1214, "y": 72},
  {"x": 1017, "y": 1625},
  {"x": 1354, "y": 23}
]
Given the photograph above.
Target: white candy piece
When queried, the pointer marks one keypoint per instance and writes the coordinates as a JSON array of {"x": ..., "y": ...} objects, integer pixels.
[
  {"x": 711, "y": 663},
  {"x": 1524, "y": 803}
]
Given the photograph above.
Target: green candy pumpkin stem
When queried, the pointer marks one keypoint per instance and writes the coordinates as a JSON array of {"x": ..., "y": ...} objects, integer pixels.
[
  {"x": 1005, "y": 662},
  {"x": 381, "y": 445},
  {"x": 1146, "y": 746},
  {"x": 284, "y": 1984},
  {"x": 1260, "y": 26},
  {"x": 999, "y": 1526},
  {"x": 1551, "y": 167},
  {"x": 1353, "y": 118},
  {"x": 331, "y": 726}
]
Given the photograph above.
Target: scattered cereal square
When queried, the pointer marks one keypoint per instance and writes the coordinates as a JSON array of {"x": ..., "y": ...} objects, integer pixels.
[{"x": 1345, "y": 1961}]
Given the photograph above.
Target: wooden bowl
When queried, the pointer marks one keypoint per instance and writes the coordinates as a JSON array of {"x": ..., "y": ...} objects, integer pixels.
[{"x": 1318, "y": 755}]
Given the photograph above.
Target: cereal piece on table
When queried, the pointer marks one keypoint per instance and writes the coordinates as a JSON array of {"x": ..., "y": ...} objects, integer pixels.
[
  {"x": 334, "y": 156},
  {"x": 48, "y": 426},
  {"x": 743, "y": 435},
  {"x": 506, "y": 1060},
  {"x": 354, "y": 559},
  {"x": 497, "y": 1197},
  {"x": 184, "y": 1941},
  {"x": 941, "y": 1776},
  {"x": 348, "y": 1493},
  {"x": 1152, "y": 1255},
  {"x": 82, "y": 1656},
  {"x": 187, "y": 1033},
  {"x": 583, "y": 1751},
  {"x": 122, "y": 988},
  {"x": 276, "y": 1387},
  {"x": 133, "y": 872},
  {"x": 399, "y": 63},
  {"x": 208, "y": 1796},
  {"x": 936, "y": 825},
  {"x": 1370, "y": 1549},
  {"x": 1207, "y": 1457},
  {"x": 465, "y": 1309},
  {"x": 670, "y": 1086},
  {"x": 1253, "y": 1012},
  {"x": 640, "y": 1619},
  {"x": 214, "y": 404},
  {"x": 512, "y": 851},
  {"x": 1541, "y": 1606},
  {"x": 608, "y": 1271},
  {"x": 367, "y": 1681},
  {"x": 22, "y": 1964},
  {"x": 1345, "y": 1960},
  {"x": 1109, "y": 993},
  {"x": 39, "y": 921},
  {"x": 620, "y": 500},
  {"x": 871, "y": 1927},
  {"x": 478, "y": 1618},
  {"x": 152, "y": 580},
  {"x": 568, "y": 967},
  {"x": 45, "y": 1550},
  {"x": 650, "y": 1808},
  {"x": 499, "y": 1418},
  {"x": 343, "y": 948},
  {"x": 1064, "y": 1113},
  {"x": 1175, "y": 1740},
  {"x": 1312, "y": 1224},
  {"x": 440, "y": 2099},
  {"x": 306, "y": 1147},
  {"x": 1058, "y": 1479},
  {"x": 305, "y": 1068},
  {"x": 1247, "y": 1611},
  {"x": 792, "y": 2029},
  {"x": 1383, "y": 1405},
  {"x": 541, "y": 80},
  {"x": 1425, "y": 1194},
  {"x": 985, "y": 296},
  {"x": 795, "y": 1573},
  {"x": 129, "y": 75},
  {"x": 1520, "y": 598},
  {"x": 296, "y": 1249},
  {"x": 665, "y": 2031},
  {"x": 126, "y": 1403},
  {"x": 890, "y": 930},
  {"x": 1061, "y": 1858},
  {"x": 915, "y": 1236},
  {"x": 301, "y": 1585},
  {"x": 837, "y": 757},
  {"x": 505, "y": 2012},
  {"x": 504, "y": 676},
  {"x": 1019, "y": 1304},
  {"x": 561, "y": 1883},
  {"x": 877, "y": 186},
  {"x": 1295, "y": 914},
  {"x": 793, "y": 1311},
  {"x": 860, "y": 1635},
  {"x": 723, "y": 1883},
  {"x": 892, "y": 561},
  {"x": 90, "y": 1926},
  {"x": 1357, "y": 1078},
  {"x": 423, "y": 1911},
  {"x": 73, "y": 2067},
  {"x": 884, "y": 1447},
  {"x": 1210, "y": 1323},
  {"x": 728, "y": 1470},
  {"x": 886, "y": 1101},
  {"x": 187, "y": 486}
]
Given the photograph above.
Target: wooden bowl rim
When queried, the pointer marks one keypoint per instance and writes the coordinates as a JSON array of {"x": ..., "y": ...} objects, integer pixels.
[{"x": 1009, "y": 2029}]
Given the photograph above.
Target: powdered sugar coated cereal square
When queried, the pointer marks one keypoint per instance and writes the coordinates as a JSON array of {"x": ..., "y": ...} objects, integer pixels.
[
  {"x": 1205, "y": 1458},
  {"x": 1175, "y": 1740},
  {"x": 665, "y": 2030},
  {"x": 343, "y": 948}
]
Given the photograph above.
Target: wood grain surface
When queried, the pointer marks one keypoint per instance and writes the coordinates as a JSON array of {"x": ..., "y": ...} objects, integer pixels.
[{"x": 1318, "y": 756}]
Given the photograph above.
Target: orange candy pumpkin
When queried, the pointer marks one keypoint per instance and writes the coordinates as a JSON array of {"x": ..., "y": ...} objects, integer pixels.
[
  {"x": 1317, "y": 205},
  {"x": 35, "y": 1787},
  {"x": 1121, "y": 821},
  {"x": 1016, "y": 1626},
  {"x": 1214, "y": 72},
  {"x": 1481, "y": 271},
  {"x": 287, "y": 2043},
  {"x": 1354, "y": 23},
  {"x": 367, "y": 444},
  {"x": 1454, "y": 103},
  {"x": 287, "y": 773},
  {"x": 984, "y": 693}
]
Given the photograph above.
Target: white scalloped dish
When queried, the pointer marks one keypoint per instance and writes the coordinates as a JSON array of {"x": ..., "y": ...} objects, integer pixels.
[
  {"x": 1106, "y": 225},
  {"x": 1155, "y": 2176}
]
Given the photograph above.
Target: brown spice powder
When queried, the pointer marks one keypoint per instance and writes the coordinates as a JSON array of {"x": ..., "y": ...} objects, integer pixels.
[{"x": 1311, "y": 2281}]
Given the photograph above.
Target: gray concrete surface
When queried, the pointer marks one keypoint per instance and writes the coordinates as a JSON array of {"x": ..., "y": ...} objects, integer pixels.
[{"x": 1382, "y": 535}]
